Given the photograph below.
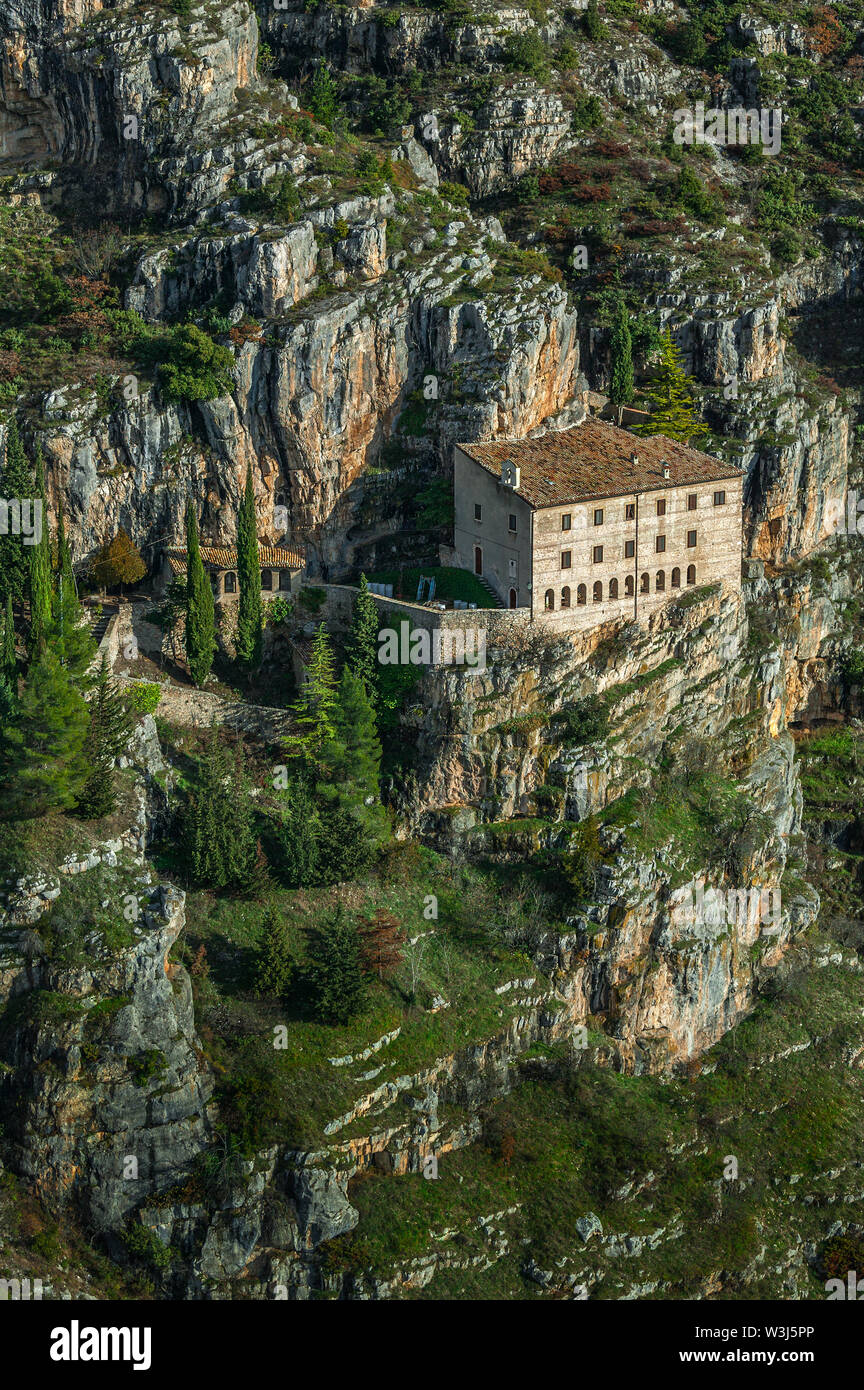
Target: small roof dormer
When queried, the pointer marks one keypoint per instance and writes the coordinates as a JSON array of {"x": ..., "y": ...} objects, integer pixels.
[{"x": 510, "y": 473}]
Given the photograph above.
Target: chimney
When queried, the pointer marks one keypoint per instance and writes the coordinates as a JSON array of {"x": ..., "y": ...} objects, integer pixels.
[
  {"x": 634, "y": 459},
  {"x": 665, "y": 469}
]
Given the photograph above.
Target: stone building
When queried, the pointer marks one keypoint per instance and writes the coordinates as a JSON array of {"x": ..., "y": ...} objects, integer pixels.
[
  {"x": 593, "y": 524},
  {"x": 281, "y": 567}
]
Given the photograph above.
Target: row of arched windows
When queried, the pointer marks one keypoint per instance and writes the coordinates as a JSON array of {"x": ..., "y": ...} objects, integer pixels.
[{"x": 597, "y": 588}]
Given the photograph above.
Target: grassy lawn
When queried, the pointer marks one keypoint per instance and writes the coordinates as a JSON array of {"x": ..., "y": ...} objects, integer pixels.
[{"x": 449, "y": 584}]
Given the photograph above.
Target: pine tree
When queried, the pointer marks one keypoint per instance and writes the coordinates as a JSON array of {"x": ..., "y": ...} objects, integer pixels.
[
  {"x": 249, "y": 625},
  {"x": 200, "y": 616},
  {"x": 107, "y": 736},
  {"x": 298, "y": 837},
  {"x": 314, "y": 709},
  {"x": 41, "y": 588},
  {"x": 16, "y": 484},
  {"x": 217, "y": 837},
  {"x": 322, "y": 99},
  {"x": 334, "y": 973},
  {"x": 352, "y": 759},
  {"x": 8, "y": 662},
  {"x": 362, "y": 644},
  {"x": 621, "y": 350},
  {"x": 43, "y": 762},
  {"x": 275, "y": 961},
  {"x": 672, "y": 409}
]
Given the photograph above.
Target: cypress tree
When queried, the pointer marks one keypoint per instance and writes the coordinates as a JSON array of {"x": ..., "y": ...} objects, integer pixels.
[
  {"x": 69, "y": 634},
  {"x": 249, "y": 625},
  {"x": 672, "y": 409},
  {"x": 362, "y": 644},
  {"x": 16, "y": 484},
  {"x": 315, "y": 707},
  {"x": 275, "y": 962},
  {"x": 352, "y": 759},
  {"x": 200, "y": 616},
  {"x": 8, "y": 662},
  {"x": 621, "y": 349},
  {"x": 43, "y": 763},
  {"x": 107, "y": 736},
  {"x": 40, "y": 569}
]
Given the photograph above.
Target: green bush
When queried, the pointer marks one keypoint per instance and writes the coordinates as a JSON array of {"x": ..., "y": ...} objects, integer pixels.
[
  {"x": 192, "y": 367},
  {"x": 144, "y": 696},
  {"x": 526, "y": 53},
  {"x": 586, "y": 721}
]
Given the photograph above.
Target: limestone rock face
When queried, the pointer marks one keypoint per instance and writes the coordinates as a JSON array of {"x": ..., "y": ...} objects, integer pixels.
[{"x": 106, "y": 1096}]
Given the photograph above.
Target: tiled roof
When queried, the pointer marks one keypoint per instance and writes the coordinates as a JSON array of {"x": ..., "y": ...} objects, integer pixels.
[
  {"x": 595, "y": 460},
  {"x": 224, "y": 557}
]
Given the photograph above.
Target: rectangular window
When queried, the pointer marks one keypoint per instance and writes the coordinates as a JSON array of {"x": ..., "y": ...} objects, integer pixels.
[
  {"x": 565, "y": 521},
  {"x": 598, "y": 554},
  {"x": 661, "y": 507},
  {"x": 630, "y": 511},
  {"x": 659, "y": 543},
  {"x": 512, "y": 522},
  {"x": 719, "y": 499},
  {"x": 478, "y": 512},
  {"x": 565, "y": 559},
  {"x": 598, "y": 516},
  {"x": 691, "y": 539},
  {"x": 691, "y": 501},
  {"x": 629, "y": 550}
]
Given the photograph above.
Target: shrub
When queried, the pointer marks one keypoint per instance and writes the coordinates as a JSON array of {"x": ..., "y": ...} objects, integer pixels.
[
  {"x": 144, "y": 696},
  {"x": 526, "y": 53},
  {"x": 193, "y": 367},
  {"x": 587, "y": 721}
]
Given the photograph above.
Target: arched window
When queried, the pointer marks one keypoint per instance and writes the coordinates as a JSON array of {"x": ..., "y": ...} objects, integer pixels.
[
  {"x": 266, "y": 579},
  {"x": 512, "y": 598},
  {"x": 549, "y": 600},
  {"x": 691, "y": 574},
  {"x": 660, "y": 582},
  {"x": 645, "y": 584},
  {"x": 230, "y": 583},
  {"x": 581, "y": 594},
  {"x": 565, "y": 597},
  {"x": 613, "y": 588},
  {"x": 598, "y": 591},
  {"x": 628, "y": 586},
  {"x": 676, "y": 578}
]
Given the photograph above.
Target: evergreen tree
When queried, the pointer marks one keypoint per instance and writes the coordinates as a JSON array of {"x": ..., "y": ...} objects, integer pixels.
[
  {"x": 16, "y": 484},
  {"x": 672, "y": 409},
  {"x": 69, "y": 634},
  {"x": 362, "y": 645},
  {"x": 621, "y": 350},
  {"x": 107, "y": 736},
  {"x": 314, "y": 709},
  {"x": 43, "y": 762},
  {"x": 8, "y": 662},
  {"x": 217, "y": 837},
  {"x": 334, "y": 973},
  {"x": 275, "y": 962},
  {"x": 41, "y": 589},
  {"x": 344, "y": 850},
  {"x": 200, "y": 616},
  {"x": 249, "y": 625},
  {"x": 322, "y": 99},
  {"x": 298, "y": 837},
  {"x": 352, "y": 759}
]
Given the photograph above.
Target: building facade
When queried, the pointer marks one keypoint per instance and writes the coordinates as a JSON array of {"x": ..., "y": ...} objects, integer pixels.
[
  {"x": 281, "y": 568},
  {"x": 593, "y": 525}
]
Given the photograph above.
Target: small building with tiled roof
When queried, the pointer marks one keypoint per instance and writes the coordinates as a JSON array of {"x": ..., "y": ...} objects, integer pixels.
[
  {"x": 592, "y": 524},
  {"x": 281, "y": 567}
]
